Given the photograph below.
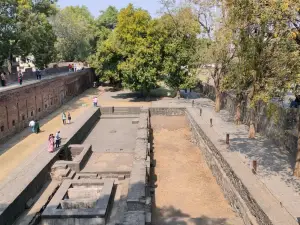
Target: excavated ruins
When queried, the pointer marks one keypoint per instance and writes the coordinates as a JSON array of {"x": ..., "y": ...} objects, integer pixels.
[{"x": 106, "y": 174}]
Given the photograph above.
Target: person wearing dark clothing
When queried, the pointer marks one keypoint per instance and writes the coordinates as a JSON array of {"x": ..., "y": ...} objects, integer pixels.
[
  {"x": 296, "y": 102},
  {"x": 20, "y": 77},
  {"x": 57, "y": 139},
  {"x": 3, "y": 79},
  {"x": 38, "y": 74},
  {"x": 37, "y": 127}
]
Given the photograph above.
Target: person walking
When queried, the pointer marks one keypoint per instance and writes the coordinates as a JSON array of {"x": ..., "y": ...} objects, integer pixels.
[
  {"x": 3, "y": 79},
  {"x": 70, "y": 68},
  {"x": 95, "y": 101},
  {"x": 32, "y": 125},
  {"x": 20, "y": 77},
  {"x": 63, "y": 117},
  {"x": 69, "y": 118},
  {"x": 36, "y": 127},
  {"x": 57, "y": 139},
  {"x": 37, "y": 73},
  {"x": 51, "y": 143}
]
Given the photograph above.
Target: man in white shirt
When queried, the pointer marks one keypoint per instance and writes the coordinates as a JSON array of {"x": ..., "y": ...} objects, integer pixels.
[
  {"x": 57, "y": 139},
  {"x": 31, "y": 125}
]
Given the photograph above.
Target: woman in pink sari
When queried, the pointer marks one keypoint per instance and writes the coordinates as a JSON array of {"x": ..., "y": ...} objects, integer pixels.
[{"x": 51, "y": 143}]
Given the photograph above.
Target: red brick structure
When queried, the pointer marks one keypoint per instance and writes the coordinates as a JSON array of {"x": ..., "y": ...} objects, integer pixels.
[{"x": 34, "y": 101}]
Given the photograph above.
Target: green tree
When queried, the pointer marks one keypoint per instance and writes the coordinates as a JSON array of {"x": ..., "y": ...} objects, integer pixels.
[
  {"x": 179, "y": 32},
  {"x": 268, "y": 58},
  {"x": 108, "y": 18},
  {"x": 24, "y": 30},
  {"x": 213, "y": 41},
  {"x": 75, "y": 29},
  {"x": 107, "y": 59},
  {"x": 140, "y": 48}
]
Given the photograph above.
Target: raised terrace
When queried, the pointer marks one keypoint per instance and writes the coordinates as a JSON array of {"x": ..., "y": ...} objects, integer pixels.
[{"x": 137, "y": 166}]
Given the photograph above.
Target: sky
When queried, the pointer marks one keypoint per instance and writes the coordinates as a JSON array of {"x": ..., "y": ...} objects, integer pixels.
[{"x": 152, "y": 6}]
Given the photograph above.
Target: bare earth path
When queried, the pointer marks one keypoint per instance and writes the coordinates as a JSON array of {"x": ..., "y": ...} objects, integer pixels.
[{"x": 186, "y": 193}]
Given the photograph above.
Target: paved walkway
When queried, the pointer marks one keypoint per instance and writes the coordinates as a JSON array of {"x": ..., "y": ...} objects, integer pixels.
[
  {"x": 14, "y": 85},
  {"x": 18, "y": 149}
]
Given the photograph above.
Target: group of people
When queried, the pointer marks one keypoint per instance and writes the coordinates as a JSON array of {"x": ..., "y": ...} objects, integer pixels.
[
  {"x": 54, "y": 140},
  {"x": 73, "y": 68},
  {"x": 66, "y": 119},
  {"x": 35, "y": 126}
]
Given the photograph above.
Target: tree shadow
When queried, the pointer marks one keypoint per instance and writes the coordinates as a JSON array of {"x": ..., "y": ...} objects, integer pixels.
[{"x": 273, "y": 161}]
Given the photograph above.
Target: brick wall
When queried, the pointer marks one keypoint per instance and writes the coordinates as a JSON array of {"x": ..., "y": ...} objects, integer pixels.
[{"x": 34, "y": 101}]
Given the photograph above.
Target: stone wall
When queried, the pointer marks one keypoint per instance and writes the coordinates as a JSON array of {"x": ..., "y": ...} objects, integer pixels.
[
  {"x": 165, "y": 111},
  {"x": 34, "y": 101}
]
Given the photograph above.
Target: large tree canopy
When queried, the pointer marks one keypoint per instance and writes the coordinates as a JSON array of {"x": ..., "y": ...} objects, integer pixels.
[
  {"x": 75, "y": 30},
  {"x": 142, "y": 51},
  {"x": 24, "y": 30}
]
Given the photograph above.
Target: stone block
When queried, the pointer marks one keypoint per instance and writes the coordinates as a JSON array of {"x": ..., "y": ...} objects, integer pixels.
[
  {"x": 140, "y": 152},
  {"x": 142, "y": 134},
  {"x": 85, "y": 203},
  {"x": 135, "y": 218},
  {"x": 81, "y": 192},
  {"x": 99, "y": 209},
  {"x": 148, "y": 218},
  {"x": 143, "y": 123}
]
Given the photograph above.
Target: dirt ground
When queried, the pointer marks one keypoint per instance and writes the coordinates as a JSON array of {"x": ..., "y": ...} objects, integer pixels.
[{"x": 187, "y": 192}]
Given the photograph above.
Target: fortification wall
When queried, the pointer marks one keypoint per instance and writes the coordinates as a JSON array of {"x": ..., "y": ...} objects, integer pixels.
[{"x": 34, "y": 101}]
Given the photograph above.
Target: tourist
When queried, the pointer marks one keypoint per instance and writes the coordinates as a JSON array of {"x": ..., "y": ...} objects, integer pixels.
[
  {"x": 32, "y": 125},
  {"x": 95, "y": 101},
  {"x": 75, "y": 67},
  {"x": 51, "y": 143},
  {"x": 69, "y": 118},
  {"x": 57, "y": 139},
  {"x": 36, "y": 127},
  {"x": 3, "y": 79},
  {"x": 37, "y": 73},
  {"x": 64, "y": 117},
  {"x": 296, "y": 102},
  {"x": 70, "y": 68},
  {"x": 20, "y": 77}
]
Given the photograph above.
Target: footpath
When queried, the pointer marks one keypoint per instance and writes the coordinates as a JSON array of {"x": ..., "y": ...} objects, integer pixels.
[
  {"x": 19, "y": 149},
  {"x": 275, "y": 166},
  {"x": 14, "y": 85}
]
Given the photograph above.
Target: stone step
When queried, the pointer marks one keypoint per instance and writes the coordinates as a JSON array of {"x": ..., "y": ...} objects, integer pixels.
[{"x": 82, "y": 192}]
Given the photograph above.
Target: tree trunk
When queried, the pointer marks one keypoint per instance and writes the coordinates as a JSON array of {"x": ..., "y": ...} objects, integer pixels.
[
  {"x": 252, "y": 127},
  {"x": 218, "y": 101},
  {"x": 297, "y": 166}
]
